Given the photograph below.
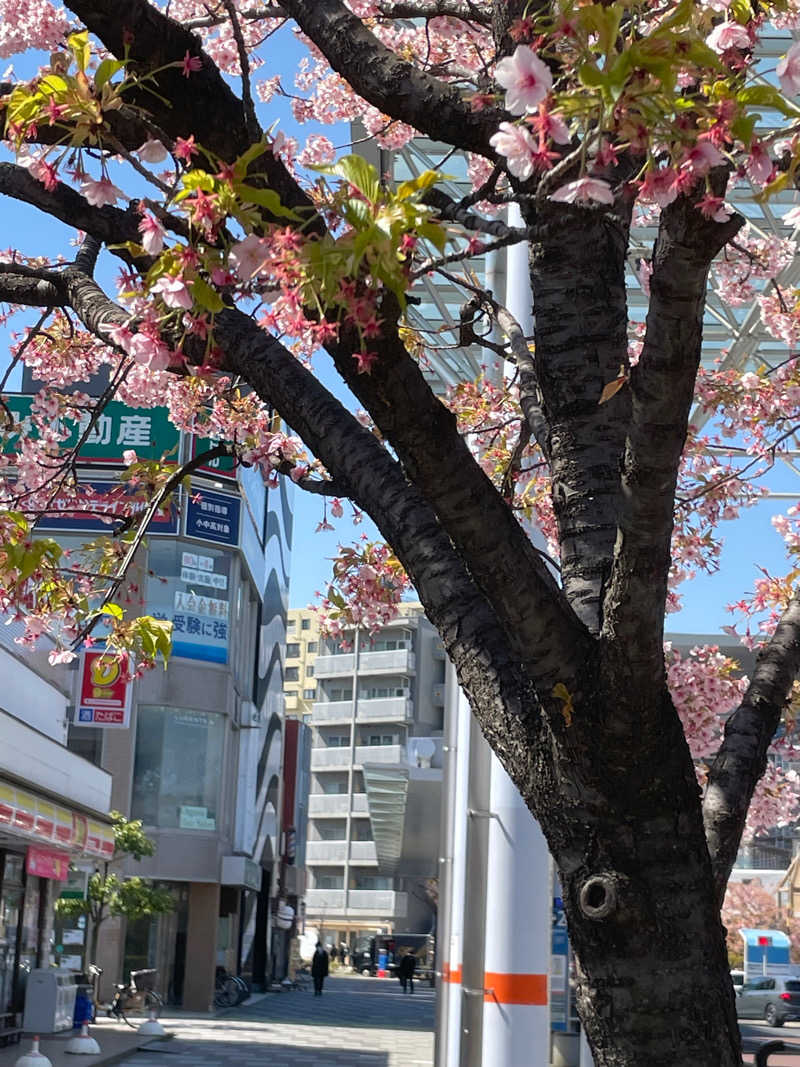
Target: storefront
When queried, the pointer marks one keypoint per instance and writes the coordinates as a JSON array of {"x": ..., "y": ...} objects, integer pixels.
[{"x": 39, "y": 838}]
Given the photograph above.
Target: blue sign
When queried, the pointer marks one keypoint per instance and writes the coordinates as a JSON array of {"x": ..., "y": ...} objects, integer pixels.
[
  {"x": 65, "y": 514},
  {"x": 559, "y": 969},
  {"x": 213, "y": 516}
]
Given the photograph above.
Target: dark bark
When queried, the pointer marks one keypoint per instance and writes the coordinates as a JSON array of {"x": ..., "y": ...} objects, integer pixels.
[
  {"x": 578, "y": 280},
  {"x": 661, "y": 387},
  {"x": 396, "y": 87},
  {"x": 742, "y": 757}
]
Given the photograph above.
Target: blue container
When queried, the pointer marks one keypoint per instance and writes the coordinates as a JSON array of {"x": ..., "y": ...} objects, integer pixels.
[{"x": 84, "y": 1007}]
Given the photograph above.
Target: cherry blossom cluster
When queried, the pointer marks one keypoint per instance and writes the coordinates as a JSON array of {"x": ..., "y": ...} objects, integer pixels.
[{"x": 367, "y": 589}]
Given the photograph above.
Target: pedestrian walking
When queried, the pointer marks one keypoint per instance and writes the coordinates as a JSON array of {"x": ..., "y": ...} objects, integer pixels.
[
  {"x": 405, "y": 971},
  {"x": 319, "y": 968}
]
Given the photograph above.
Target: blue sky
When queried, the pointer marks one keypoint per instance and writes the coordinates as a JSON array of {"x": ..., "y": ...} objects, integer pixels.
[{"x": 750, "y": 542}]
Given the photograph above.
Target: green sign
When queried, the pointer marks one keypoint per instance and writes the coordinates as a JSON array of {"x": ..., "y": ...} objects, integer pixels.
[
  {"x": 117, "y": 428},
  {"x": 222, "y": 466}
]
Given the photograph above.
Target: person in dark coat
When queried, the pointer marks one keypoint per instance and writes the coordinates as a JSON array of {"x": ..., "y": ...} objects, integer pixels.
[
  {"x": 405, "y": 971},
  {"x": 319, "y": 968}
]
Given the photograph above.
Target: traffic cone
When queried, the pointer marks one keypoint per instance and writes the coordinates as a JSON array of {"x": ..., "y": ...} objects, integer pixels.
[
  {"x": 82, "y": 1044},
  {"x": 152, "y": 1028},
  {"x": 34, "y": 1058}
]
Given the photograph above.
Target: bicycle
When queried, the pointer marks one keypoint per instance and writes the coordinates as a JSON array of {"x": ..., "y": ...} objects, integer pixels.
[
  {"x": 137, "y": 995},
  {"x": 229, "y": 989}
]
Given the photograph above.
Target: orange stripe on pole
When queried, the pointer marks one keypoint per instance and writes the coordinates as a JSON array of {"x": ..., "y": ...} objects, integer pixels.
[
  {"x": 515, "y": 988},
  {"x": 451, "y": 974}
]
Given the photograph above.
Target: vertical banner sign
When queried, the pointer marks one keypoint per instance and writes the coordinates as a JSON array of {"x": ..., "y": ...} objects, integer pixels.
[
  {"x": 105, "y": 693},
  {"x": 559, "y": 960}
]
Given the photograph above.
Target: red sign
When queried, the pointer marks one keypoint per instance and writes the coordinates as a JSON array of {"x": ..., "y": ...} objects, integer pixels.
[
  {"x": 47, "y": 863},
  {"x": 105, "y": 695}
]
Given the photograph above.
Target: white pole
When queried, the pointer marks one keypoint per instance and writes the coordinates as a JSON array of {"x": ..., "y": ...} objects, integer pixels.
[
  {"x": 452, "y": 983},
  {"x": 516, "y": 1012}
]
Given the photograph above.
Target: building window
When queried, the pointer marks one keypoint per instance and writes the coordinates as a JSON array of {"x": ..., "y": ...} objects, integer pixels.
[
  {"x": 293, "y": 650},
  {"x": 310, "y": 672},
  {"x": 189, "y": 585},
  {"x": 305, "y": 624},
  {"x": 309, "y": 694},
  {"x": 381, "y": 692},
  {"x": 291, "y": 626},
  {"x": 370, "y": 881},
  {"x": 176, "y": 771},
  {"x": 292, "y": 674},
  {"x": 312, "y": 646},
  {"x": 329, "y": 881},
  {"x": 341, "y": 694}
]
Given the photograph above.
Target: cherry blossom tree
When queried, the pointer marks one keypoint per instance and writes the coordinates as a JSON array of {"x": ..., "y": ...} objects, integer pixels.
[{"x": 242, "y": 252}]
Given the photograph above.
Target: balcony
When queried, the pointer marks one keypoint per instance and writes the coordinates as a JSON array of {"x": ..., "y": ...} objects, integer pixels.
[
  {"x": 394, "y": 661},
  {"x": 328, "y": 804},
  {"x": 376, "y": 754},
  {"x": 324, "y": 900},
  {"x": 363, "y": 852},
  {"x": 378, "y": 901},
  {"x": 332, "y": 711},
  {"x": 389, "y": 709},
  {"x": 360, "y": 805},
  {"x": 328, "y": 852},
  {"x": 330, "y": 759},
  {"x": 334, "y": 666}
]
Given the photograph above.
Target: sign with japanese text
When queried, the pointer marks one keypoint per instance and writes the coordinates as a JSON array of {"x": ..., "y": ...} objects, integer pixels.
[
  {"x": 32, "y": 815},
  {"x": 67, "y": 518},
  {"x": 47, "y": 863},
  {"x": 223, "y": 467},
  {"x": 117, "y": 428},
  {"x": 213, "y": 517},
  {"x": 105, "y": 692}
]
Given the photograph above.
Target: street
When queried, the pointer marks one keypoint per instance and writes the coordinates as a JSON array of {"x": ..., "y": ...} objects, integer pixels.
[
  {"x": 754, "y": 1035},
  {"x": 358, "y": 1022}
]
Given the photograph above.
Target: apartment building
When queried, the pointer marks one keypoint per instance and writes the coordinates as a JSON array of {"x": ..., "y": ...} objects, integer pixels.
[
  {"x": 302, "y": 647},
  {"x": 373, "y": 830}
]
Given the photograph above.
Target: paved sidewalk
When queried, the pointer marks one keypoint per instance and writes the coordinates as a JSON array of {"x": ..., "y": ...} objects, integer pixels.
[{"x": 357, "y": 1022}]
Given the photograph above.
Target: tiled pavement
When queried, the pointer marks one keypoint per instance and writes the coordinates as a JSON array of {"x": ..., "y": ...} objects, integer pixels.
[{"x": 357, "y": 1022}]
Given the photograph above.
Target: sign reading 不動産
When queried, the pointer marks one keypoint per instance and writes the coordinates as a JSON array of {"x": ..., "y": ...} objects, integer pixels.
[{"x": 117, "y": 428}]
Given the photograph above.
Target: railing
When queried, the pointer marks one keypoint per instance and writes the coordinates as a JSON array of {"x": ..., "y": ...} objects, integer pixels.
[
  {"x": 363, "y": 851},
  {"x": 330, "y": 758},
  {"x": 333, "y": 666},
  {"x": 378, "y": 754},
  {"x": 397, "y": 660},
  {"x": 384, "y": 709},
  {"x": 360, "y": 804},
  {"x": 326, "y": 851},
  {"x": 324, "y": 900},
  {"x": 332, "y": 711},
  {"x": 381, "y": 901},
  {"x": 328, "y": 803}
]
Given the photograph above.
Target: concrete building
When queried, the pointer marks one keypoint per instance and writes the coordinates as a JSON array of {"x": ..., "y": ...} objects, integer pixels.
[
  {"x": 198, "y": 754},
  {"x": 53, "y": 812},
  {"x": 373, "y": 805},
  {"x": 302, "y": 648}
]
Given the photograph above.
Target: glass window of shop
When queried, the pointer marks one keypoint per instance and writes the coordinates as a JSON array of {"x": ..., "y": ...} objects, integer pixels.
[
  {"x": 25, "y": 928},
  {"x": 177, "y": 767},
  {"x": 12, "y": 898},
  {"x": 190, "y": 585}
]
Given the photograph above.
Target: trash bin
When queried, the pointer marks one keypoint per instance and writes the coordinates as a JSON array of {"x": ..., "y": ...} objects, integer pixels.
[
  {"x": 49, "y": 1000},
  {"x": 84, "y": 1006}
]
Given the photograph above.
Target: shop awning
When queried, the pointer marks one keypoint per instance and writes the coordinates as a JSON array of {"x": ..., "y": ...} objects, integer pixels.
[{"x": 35, "y": 818}]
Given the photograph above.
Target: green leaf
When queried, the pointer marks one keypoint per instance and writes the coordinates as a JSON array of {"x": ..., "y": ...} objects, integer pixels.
[
  {"x": 266, "y": 198},
  {"x": 434, "y": 233},
  {"x": 107, "y": 69},
  {"x": 241, "y": 165},
  {"x": 358, "y": 172},
  {"x": 78, "y": 44},
  {"x": 114, "y": 610},
  {"x": 767, "y": 96},
  {"x": 418, "y": 185},
  {"x": 591, "y": 76},
  {"x": 198, "y": 179},
  {"x": 206, "y": 297}
]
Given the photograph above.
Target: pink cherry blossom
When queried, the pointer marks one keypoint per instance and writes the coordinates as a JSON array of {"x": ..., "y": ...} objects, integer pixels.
[
  {"x": 526, "y": 79},
  {"x": 152, "y": 234},
  {"x": 788, "y": 71},
  {"x": 152, "y": 151},
  {"x": 102, "y": 192},
  {"x": 583, "y": 191},
  {"x": 728, "y": 35},
  {"x": 247, "y": 257},
  {"x": 173, "y": 291},
  {"x": 518, "y": 146},
  {"x": 702, "y": 157},
  {"x": 129, "y": 457}
]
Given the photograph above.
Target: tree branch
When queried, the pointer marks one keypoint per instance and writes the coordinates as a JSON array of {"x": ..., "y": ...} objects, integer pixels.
[
  {"x": 393, "y": 85},
  {"x": 662, "y": 388},
  {"x": 742, "y": 757},
  {"x": 466, "y": 11}
]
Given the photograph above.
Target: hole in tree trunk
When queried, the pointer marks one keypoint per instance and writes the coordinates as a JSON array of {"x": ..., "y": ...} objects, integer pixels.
[{"x": 598, "y": 897}]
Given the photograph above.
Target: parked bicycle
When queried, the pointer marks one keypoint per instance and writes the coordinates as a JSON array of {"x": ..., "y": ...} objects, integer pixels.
[
  {"x": 138, "y": 995},
  {"x": 229, "y": 989}
]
